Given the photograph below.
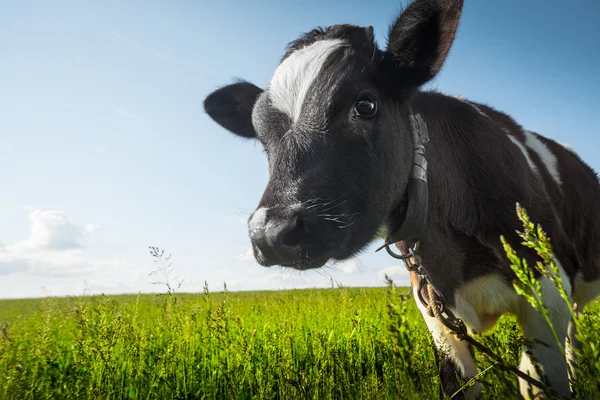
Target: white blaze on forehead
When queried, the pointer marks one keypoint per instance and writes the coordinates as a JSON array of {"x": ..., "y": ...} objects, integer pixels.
[
  {"x": 547, "y": 157},
  {"x": 295, "y": 75}
]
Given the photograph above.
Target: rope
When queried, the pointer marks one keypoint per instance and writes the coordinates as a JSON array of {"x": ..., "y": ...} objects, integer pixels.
[{"x": 436, "y": 307}]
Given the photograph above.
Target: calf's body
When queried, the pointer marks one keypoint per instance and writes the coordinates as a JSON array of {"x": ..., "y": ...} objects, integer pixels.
[
  {"x": 481, "y": 163},
  {"x": 335, "y": 124}
]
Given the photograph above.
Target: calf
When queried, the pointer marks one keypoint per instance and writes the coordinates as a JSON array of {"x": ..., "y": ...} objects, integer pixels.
[{"x": 337, "y": 123}]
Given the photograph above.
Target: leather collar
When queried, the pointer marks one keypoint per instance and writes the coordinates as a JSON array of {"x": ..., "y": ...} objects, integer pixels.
[{"x": 408, "y": 219}]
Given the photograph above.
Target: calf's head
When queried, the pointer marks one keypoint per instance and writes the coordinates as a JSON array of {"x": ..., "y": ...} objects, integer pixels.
[{"x": 333, "y": 122}]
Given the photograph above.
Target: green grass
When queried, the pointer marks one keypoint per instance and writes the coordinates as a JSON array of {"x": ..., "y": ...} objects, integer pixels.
[{"x": 319, "y": 344}]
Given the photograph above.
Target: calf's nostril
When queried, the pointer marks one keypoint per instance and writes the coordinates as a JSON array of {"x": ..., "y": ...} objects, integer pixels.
[
  {"x": 281, "y": 241},
  {"x": 295, "y": 232}
]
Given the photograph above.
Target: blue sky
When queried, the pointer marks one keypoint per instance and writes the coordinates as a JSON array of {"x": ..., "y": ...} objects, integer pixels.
[{"x": 105, "y": 149}]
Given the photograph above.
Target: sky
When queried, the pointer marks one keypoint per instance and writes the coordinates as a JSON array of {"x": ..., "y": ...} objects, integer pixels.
[{"x": 105, "y": 148}]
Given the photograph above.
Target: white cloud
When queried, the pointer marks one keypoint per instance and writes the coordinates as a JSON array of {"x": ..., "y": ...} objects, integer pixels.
[
  {"x": 248, "y": 255},
  {"x": 55, "y": 249},
  {"x": 54, "y": 259},
  {"x": 348, "y": 266},
  {"x": 52, "y": 230},
  {"x": 60, "y": 264},
  {"x": 90, "y": 228},
  {"x": 251, "y": 276},
  {"x": 398, "y": 274}
]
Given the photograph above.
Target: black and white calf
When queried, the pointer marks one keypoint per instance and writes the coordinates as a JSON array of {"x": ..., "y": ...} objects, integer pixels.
[{"x": 334, "y": 122}]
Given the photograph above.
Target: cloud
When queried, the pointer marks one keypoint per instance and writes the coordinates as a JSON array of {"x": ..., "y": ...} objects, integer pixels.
[
  {"x": 348, "y": 266},
  {"x": 148, "y": 50},
  {"x": 352, "y": 272},
  {"x": 248, "y": 255},
  {"x": 55, "y": 248},
  {"x": 60, "y": 264},
  {"x": 52, "y": 230},
  {"x": 54, "y": 259},
  {"x": 398, "y": 274}
]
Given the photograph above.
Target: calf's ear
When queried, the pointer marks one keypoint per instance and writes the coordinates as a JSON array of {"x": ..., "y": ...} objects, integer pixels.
[
  {"x": 420, "y": 39},
  {"x": 231, "y": 107}
]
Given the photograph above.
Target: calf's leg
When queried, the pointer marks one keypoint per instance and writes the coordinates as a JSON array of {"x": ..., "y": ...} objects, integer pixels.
[
  {"x": 572, "y": 346},
  {"x": 548, "y": 353},
  {"x": 456, "y": 362},
  {"x": 583, "y": 293}
]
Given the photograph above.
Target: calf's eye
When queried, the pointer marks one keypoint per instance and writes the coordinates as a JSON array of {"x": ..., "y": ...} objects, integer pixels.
[{"x": 365, "y": 107}]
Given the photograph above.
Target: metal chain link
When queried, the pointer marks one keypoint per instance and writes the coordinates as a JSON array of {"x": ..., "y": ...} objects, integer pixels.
[{"x": 436, "y": 307}]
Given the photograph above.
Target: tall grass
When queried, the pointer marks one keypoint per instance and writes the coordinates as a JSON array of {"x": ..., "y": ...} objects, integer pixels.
[
  {"x": 337, "y": 343},
  {"x": 526, "y": 285}
]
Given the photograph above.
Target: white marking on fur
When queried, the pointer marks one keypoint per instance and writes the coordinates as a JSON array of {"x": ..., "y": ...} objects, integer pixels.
[
  {"x": 294, "y": 76},
  {"x": 258, "y": 219},
  {"x": 572, "y": 345},
  {"x": 481, "y": 301},
  {"x": 547, "y": 157},
  {"x": 527, "y": 367},
  {"x": 458, "y": 351},
  {"x": 479, "y": 110},
  {"x": 550, "y": 359},
  {"x": 523, "y": 150},
  {"x": 566, "y": 146},
  {"x": 585, "y": 292},
  {"x": 464, "y": 100}
]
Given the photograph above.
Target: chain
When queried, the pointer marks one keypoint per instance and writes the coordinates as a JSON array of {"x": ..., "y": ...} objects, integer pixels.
[{"x": 436, "y": 307}]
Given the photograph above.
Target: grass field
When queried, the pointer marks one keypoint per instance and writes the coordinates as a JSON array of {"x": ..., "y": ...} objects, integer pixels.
[{"x": 319, "y": 344}]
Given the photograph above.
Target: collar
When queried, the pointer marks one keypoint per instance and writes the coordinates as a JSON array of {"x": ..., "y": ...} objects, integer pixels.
[{"x": 408, "y": 219}]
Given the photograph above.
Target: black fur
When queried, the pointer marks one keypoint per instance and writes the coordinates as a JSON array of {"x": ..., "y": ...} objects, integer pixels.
[
  {"x": 231, "y": 107},
  {"x": 450, "y": 378},
  {"x": 357, "y": 168},
  {"x": 421, "y": 37}
]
